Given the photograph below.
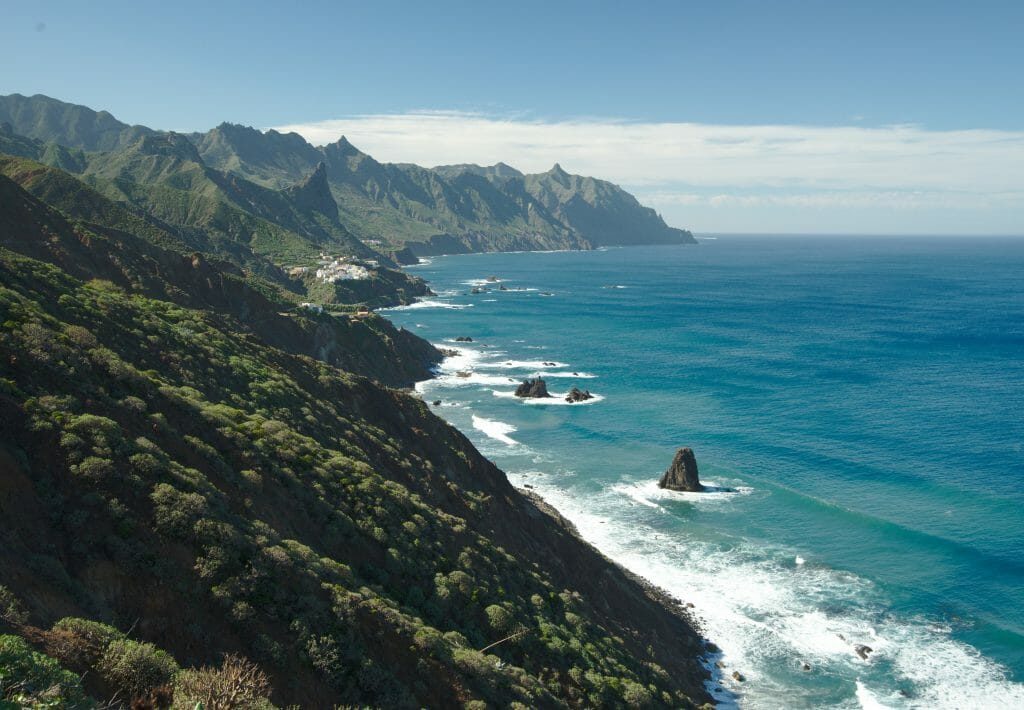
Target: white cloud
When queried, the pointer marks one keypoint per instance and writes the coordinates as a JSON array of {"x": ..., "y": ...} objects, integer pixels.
[
  {"x": 680, "y": 165},
  {"x": 846, "y": 157},
  {"x": 900, "y": 200}
]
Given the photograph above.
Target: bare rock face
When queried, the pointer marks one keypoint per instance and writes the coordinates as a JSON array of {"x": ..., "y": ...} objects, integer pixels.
[
  {"x": 578, "y": 395},
  {"x": 682, "y": 474},
  {"x": 533, "y": 388}
]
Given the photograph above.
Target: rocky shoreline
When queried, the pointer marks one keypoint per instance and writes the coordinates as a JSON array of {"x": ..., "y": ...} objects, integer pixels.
[{"x": 705, "y": 652}]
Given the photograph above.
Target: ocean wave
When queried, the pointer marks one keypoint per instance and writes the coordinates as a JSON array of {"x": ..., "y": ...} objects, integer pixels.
[
  {"x": 429, "y": 303},
  {"x": 499, "y": 431},
  {"x": 531, "y": 365},
  {"x": 468, "y": 377},
  {"x": 765, "y": 612},
  {"x": 648, "y": 493}
]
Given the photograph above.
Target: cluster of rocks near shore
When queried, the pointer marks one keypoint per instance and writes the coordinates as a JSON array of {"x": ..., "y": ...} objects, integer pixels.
[{"x": 537, "y": 388}]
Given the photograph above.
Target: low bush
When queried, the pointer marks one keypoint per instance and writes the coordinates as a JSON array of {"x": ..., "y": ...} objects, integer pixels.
[
  {"x": 136, "y": 668},
  {"x": 33, "y": 680}
]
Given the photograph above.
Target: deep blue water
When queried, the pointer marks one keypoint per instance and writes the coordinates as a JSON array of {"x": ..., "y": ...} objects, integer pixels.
[{"x": 863, "y": 396}]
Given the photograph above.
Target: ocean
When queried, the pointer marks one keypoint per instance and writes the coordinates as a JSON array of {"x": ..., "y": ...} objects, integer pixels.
[{"x": 861, "y": 398}]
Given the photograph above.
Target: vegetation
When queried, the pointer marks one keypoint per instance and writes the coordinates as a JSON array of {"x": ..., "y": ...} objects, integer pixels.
[{"x": 209, "y": 496}]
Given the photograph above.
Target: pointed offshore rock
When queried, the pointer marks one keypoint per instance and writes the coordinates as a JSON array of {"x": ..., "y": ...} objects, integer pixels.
[{"x": 682, "y": 474}]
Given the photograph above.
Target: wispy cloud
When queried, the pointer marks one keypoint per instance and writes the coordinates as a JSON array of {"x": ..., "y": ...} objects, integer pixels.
[{"x": 742, "y": 167}]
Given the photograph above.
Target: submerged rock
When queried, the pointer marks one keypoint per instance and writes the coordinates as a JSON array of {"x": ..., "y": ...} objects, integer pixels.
[
  {"x": 737, "y": 676},
  {"x": 463, "y": 339},
  {"x": 533, "y": 388},
  {"x": 578, "y": 395},
  {"x": 682, "y": 474}
]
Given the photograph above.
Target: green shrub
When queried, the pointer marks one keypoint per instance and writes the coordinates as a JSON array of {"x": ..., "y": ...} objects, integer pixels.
[
  {"x": 33, "y": 680},
  {"x": 136, "y": 668},
  {"x": 96, "y": 633},
  {"x": 175, "y": 512},
  {"x": 498, "y": 617}
]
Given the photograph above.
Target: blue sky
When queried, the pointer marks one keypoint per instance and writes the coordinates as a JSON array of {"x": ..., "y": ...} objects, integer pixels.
[{"x": 842, "y": 116}]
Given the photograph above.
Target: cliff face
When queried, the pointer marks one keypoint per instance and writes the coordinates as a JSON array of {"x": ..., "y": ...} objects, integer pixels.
[
  {"x": 447, "y": 209},
  {"x": 186, "y": 459}
]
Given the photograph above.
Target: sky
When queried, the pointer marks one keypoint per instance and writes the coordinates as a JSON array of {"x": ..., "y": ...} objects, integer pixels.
[{"x": 727, "y": 116}]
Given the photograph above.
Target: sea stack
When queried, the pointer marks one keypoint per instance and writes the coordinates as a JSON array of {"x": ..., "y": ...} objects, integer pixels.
[
  {"x": 682, "y": 474},
  {"x": 577, "y": 395},
  {"x": 533, "y": 388}
]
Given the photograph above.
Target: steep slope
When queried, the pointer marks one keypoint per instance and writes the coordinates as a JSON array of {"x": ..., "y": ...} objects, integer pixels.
[
  {"x": 268, "y": 158},
  {"x": 166, "y": 470},
  {"x": 12, "y": 143},
  {"x": 53, "y": 121},
  {"x": 606, "y": 213},
  {"x": 166, "y": 176},
  {"x": 149, "y": 261}
]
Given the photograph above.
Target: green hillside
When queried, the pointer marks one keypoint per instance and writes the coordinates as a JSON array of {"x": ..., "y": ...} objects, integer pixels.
[{"x": 199, "y": 482}]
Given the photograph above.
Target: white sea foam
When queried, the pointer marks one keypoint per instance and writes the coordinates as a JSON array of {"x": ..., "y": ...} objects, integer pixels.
[
  {"x": 468, "y": 377},
  {"x": 650, "y": 494},
  {"x": 498, "y": 431},
  {"x": 867, "y": 699},
  {"x": 531, "y": 365},
  {"x": 430, "y": 303},
  {"x": 762, "y": 610},
  {"x": 465, "y": 359}
]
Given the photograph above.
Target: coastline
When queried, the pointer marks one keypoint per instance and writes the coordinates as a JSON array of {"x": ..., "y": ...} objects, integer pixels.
[
  {"x": 706, "y": 654},
  {"x": 775, "y": 593}
]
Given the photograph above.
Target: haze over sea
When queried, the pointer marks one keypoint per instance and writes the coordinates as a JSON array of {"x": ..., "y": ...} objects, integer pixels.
[{"x": 863, "y": 397}]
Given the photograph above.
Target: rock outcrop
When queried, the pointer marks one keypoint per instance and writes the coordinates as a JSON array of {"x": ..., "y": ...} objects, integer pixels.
[
  {"x": 682, "y": 474},
  {"x": 578, "y": 395},
  {"x": 862, "y": 650},
  {"x": 537, "y": 388}
]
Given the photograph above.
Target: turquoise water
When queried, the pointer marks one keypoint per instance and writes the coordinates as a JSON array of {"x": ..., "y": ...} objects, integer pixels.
[{"x": 862, "y": 396}]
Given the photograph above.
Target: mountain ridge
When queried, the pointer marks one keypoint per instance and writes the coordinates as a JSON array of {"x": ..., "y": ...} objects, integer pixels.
[{"x": 400, "y": 207}]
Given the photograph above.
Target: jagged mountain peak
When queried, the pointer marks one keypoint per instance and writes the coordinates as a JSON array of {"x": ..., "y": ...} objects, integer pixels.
[
  {"x": 313, "y": 193},
  {"x": 343, "y": 146}
]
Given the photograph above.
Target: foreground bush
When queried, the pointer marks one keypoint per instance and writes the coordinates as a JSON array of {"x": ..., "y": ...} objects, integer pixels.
[
  {"x": 32, "y": 680},
  {"x": 238, "y": 683},
  {"x": 136, "y": 668}
]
